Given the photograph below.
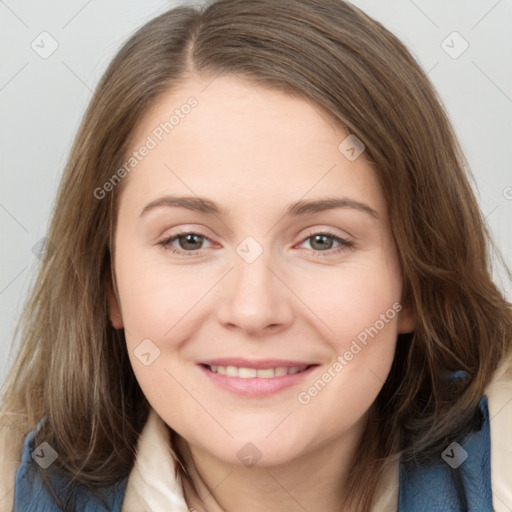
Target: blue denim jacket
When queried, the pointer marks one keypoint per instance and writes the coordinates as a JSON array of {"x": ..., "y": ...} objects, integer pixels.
[{"x": 422, "y": 489}]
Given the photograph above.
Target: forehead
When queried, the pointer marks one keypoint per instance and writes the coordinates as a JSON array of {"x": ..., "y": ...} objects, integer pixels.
[{"x": 242, "y": 140}]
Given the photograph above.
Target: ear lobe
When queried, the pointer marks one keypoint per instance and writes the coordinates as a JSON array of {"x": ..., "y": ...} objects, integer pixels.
[
  {"x": 114, "y": 310},
  {"x": 406, "y": 321}
]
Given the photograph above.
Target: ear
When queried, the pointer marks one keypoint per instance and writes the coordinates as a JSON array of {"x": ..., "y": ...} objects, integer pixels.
[
  {"x": 114, "y": 310},
  {"x": 406, "y": 320}
]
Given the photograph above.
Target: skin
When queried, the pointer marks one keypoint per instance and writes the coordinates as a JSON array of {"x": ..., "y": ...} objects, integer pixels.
[{"x": 254, "y": 151}]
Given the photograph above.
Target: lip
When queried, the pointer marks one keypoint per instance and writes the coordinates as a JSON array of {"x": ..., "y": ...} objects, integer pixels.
[{"x": 256, "y": 387}]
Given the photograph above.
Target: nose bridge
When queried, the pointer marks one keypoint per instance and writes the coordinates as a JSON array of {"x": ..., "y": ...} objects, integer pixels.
[{"x": 255, "y": 298}]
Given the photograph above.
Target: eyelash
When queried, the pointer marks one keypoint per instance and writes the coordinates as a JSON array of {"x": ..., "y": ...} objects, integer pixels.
[{"x": 344, "y": 244}]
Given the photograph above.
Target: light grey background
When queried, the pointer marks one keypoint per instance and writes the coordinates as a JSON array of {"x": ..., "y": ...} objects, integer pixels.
[{"x": 42, "y": 101}]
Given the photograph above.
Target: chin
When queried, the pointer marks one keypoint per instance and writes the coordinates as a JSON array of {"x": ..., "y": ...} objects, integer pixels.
[{"x": 258, "y": 452}]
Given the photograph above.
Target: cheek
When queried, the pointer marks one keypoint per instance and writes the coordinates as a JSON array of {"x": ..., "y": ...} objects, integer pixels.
[
  {"x": 359, "y": 307},
  {"x": 363, "y": 352},
  {"x": 155, "y": 296},
  {"x": 161, "y": 308},
  {"x": 354, "y": 297}
]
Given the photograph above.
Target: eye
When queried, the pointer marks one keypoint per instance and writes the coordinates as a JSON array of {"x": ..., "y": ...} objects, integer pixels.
[
  {"x": 190, "y": 243},
  {"x": 320, "y": 240},
  {"x": 188, "y": 240}
]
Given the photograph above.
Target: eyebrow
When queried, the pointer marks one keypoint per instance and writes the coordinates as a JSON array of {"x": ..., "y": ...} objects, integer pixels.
[{"x": 299, "y": 208}]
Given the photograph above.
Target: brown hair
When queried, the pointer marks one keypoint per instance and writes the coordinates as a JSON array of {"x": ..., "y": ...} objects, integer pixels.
[{"x": 73, "y": 366}]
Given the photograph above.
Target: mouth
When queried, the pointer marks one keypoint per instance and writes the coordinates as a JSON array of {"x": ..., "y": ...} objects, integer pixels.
[{"x": 248, "y": 381}]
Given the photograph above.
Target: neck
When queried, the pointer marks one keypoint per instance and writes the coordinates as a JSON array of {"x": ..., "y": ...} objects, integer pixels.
[{"x": 315, "y": 480}]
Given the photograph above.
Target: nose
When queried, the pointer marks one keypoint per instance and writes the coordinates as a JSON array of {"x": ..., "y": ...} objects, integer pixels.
[{"x": 256, "y": 298}]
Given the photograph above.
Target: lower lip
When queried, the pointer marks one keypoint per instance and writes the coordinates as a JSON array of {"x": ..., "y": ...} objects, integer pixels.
[{"x": 253, "y": 387}]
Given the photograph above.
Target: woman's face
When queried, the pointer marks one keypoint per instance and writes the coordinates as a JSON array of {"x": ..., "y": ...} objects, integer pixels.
[{"x": 271, "y": 278}]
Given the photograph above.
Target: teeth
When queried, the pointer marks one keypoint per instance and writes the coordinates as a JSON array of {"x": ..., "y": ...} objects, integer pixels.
[
  {"x": 268, "y": 373},
  {"x": 231, "y": 371},
  {"x": 250, "y": 373},
  {"x": 279, "y": 372},
  {"x": 246, "y": 373}
]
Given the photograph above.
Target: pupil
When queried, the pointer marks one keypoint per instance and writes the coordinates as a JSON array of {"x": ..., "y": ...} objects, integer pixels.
[
  {"x": 190, "y": 239},
  {"x": 322, "y": 246}
]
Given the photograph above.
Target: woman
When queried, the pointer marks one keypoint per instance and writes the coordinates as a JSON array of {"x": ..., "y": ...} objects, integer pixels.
[{"x": 332, "y": 340}]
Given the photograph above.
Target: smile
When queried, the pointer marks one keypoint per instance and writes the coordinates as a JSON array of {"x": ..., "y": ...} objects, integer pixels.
[{"x": 255, "y": 382}]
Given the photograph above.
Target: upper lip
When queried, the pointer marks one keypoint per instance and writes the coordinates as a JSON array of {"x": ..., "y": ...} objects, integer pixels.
[{"x": 259, "y": 365}]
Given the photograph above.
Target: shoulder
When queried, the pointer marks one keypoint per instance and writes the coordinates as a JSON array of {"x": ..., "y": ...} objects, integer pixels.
[
  {"x": 477, "y": 470},
  {"x": 26, "y": 491},
  {"x": 499, "y": 398},
  {"x": 11, "y": 445}
]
